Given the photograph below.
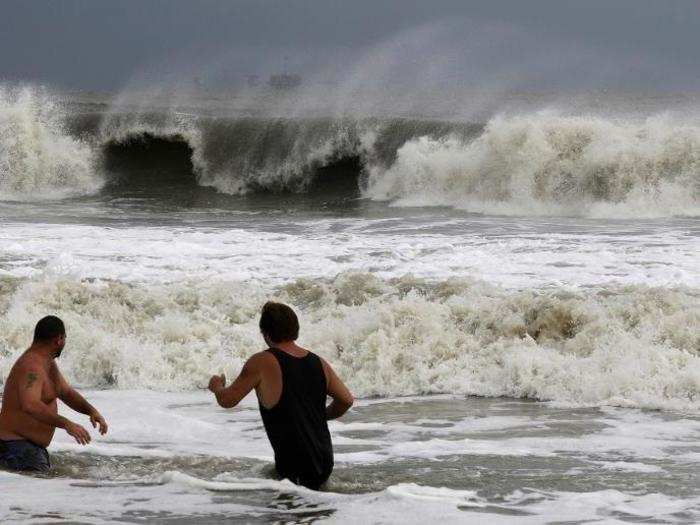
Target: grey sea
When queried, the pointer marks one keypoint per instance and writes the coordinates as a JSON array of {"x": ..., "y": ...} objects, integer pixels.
[{"x": 513, "y": 296}]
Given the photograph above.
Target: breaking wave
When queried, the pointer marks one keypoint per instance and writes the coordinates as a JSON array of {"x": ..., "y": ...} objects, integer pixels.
[
  {"x": 542, "y": 163},
  {"x": 239, "y": 156},
  {"x": 38, "y": 156},
  {"x": 627, "y": 346},
  {"x": 546, "y": 163}
]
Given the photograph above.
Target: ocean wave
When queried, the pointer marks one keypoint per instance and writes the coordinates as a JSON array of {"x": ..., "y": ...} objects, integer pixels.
[
  {"x": 539, "y": 163},
  {"x": 241, "y": 156},
  {"x": 549, "y": 164},
  {"x": 38, "y": 156},
  {"x": 627, "y": 346}
]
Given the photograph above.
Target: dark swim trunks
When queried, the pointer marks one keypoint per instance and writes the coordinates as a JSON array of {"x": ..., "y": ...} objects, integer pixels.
[{"x": 23, "y": 455}]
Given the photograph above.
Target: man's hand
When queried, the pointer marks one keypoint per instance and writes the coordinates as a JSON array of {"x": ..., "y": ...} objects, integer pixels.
[
  {"x": 97, "y": 419},
  {"x": 217, "y": 383},
  {"x": 79, "y": 433}
]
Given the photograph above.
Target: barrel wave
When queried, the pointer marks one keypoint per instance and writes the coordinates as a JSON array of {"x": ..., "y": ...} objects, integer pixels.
[{"x": 536, "y": 163}]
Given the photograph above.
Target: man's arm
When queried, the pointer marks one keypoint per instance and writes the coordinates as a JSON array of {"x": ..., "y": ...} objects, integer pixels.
[
  {"x": 32, "y": 379},
  {"x": 342, "y": 398},
  {"x": 247, "y": 380},
  {"x": 71, "y": 397}
]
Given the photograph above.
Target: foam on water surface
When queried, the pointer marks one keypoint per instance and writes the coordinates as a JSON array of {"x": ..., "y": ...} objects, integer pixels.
[
  {"x": 279, "y": 249},
  {"x": 507, "y": 461},
  {"x": 581, "y": 290},
  {"x": 624, "y": 346}
]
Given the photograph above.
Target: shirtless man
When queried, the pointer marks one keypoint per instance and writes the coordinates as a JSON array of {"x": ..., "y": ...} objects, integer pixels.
[
  {"x": 29, "y": 413},
  {"x": 291, "y": 384}
]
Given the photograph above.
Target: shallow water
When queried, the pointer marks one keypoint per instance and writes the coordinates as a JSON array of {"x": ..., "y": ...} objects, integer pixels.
[
  {"x": 538, "y": 271},
  {"x": 173, "y": 458}
]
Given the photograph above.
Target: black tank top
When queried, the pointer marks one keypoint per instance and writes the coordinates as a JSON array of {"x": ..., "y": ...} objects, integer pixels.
[{"x": 296, "y": 425}]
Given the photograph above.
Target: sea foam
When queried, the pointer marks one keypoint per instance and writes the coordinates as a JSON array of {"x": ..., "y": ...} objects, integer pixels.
[
  {"x": 626, "y": 346},
  {"x": 548, "y": 163},
  {"x": 38, "y": 156}
]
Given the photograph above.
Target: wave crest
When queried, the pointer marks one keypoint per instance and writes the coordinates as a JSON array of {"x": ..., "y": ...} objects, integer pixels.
[
  {"x": 543, "y": 163},
  {"x": 38, "y": 156},
  {"x": 546, "y": 163},
  {"x": 239, "y": 156}
]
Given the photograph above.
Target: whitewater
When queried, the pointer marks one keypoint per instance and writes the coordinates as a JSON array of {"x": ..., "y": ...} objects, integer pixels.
[{"x": 514, "y": 299}]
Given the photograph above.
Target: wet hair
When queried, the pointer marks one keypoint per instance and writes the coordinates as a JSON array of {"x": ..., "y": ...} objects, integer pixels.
[
  {"x": 279, "y": 322},
  {"x": 48, "y": 328}
]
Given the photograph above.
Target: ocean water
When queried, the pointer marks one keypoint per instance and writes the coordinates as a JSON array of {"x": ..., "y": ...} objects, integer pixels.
[{"x": 514, "y": 299}]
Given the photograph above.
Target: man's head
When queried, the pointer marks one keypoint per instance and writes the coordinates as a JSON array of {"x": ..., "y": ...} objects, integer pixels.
[
  {"x": 51, "y": 332},
  {"x": 278, "y": 323}
]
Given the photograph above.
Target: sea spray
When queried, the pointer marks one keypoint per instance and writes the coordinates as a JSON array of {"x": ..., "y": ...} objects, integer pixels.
[
  {"x": 631, "y": 346},
  {"x": 38, "y": 157},
  {"x": 242, "y": 156},
  {"x": 534, "y": 163},
  {"x": 542, "y": 163},
  {"x": 547, "y": 163}
]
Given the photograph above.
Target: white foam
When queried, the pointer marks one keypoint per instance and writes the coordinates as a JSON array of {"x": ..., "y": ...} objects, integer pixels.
[
  {"x": 177, "y": 494},
  {"x": 547, "y": 163},
  {"x": 71, "y": 500},
  {"x": 178, "y": 424},
  {"x": 629, "y": 346},
  {"x": 38, "y": 158},
  {"x": 191, "y": 425},
  {"x": 629, "y": 466},
  {"x": 664, "y": 256},
  {"x": 436, "y": 494},
  {"x": 624, "y": 436},
  {"x": 249, "y": 161},
  {"x": 412, "y": 503}
]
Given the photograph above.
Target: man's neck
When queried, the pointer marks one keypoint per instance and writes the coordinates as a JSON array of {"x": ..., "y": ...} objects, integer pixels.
[
  {"x": 290, "y": 347},
  {"x": 45, "y": 351}
]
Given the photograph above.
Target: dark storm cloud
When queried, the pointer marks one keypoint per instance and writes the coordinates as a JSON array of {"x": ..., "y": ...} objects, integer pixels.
[{"x": 100, "y": 44}]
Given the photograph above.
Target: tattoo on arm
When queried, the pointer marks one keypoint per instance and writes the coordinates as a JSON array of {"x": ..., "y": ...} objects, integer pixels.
[{"x": 31, "y": 378}]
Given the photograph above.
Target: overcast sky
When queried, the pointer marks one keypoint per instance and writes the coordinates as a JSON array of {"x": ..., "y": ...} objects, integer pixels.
[{"x": 96, "y": 44}]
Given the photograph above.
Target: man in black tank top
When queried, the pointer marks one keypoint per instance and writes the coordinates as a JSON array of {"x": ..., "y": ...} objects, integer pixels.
[{"x": 292, "y": 385}]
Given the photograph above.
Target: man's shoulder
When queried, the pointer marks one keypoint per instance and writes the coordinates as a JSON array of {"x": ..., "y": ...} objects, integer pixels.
[
  {"x": 29, "y": 360},
  {"x": 259, "y": 359},
  {"x": 27, "y": 363}
]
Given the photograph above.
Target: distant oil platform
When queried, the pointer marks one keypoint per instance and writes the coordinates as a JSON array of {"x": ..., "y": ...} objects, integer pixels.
[{"x": 278, "y": 81}]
